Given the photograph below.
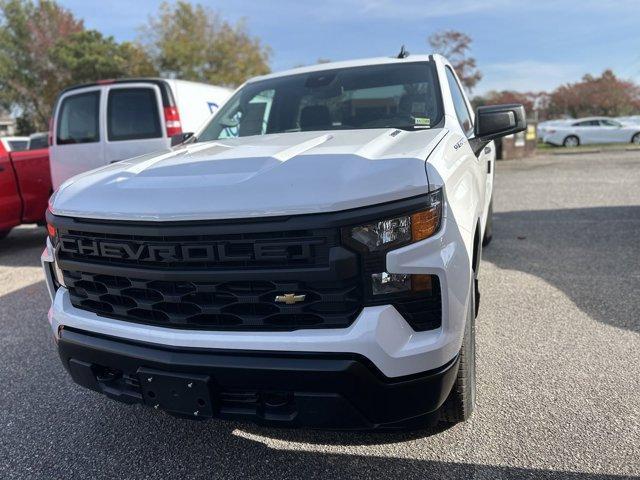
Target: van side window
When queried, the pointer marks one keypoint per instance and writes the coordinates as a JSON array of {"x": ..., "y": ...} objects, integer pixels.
[
  {"x": 462, "y": 112},
  {"x": 132, "y": 114},
  {"x": 78, "y": 119}
]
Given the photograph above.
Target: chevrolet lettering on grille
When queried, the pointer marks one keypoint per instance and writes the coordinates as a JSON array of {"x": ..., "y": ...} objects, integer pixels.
[{"x": 226, "y": 251}]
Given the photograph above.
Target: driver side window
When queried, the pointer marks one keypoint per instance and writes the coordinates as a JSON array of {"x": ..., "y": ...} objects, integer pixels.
[{"x": 462, "y": 112}]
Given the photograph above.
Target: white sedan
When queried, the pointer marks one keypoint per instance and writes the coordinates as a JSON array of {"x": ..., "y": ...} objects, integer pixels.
[{"x": 591, "y": 130}]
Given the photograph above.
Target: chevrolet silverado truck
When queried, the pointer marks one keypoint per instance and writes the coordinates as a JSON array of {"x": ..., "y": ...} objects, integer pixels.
[
  {"x": 308, "y": 258},
  {"x": 25, "y": 187}
]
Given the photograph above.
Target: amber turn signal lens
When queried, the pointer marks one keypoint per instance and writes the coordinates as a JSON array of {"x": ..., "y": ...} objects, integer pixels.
[
  {"x": 51, "y": 229},
  {"x": 425, "y": 223},
  {"x": 421, "y": 283}
]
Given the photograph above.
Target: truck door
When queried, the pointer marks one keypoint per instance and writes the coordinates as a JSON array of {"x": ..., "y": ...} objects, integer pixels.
[
  {"x": 76, "y": 133},
  {"x": 10, "y": 203},
  {"x": 133, "y": 121}
]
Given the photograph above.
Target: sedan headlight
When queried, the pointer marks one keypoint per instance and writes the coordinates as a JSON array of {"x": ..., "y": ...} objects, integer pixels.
[{"x": 398, "y": 231}]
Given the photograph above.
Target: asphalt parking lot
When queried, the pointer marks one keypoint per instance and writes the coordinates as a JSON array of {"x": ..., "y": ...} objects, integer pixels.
[{"x": 559, "y": 362}]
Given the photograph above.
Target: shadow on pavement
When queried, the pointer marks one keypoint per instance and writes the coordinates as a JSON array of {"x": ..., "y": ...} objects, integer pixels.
[
  {"x": 590, "y": 254},
  {"x": 53, "y": 428}
]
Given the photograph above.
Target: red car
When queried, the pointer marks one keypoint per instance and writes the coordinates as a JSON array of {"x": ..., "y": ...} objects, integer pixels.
[{"x": 25, "y": 187}]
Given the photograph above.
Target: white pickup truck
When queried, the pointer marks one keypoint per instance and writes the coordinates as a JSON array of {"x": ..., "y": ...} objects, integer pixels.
[{"x": 310, "y": 257}]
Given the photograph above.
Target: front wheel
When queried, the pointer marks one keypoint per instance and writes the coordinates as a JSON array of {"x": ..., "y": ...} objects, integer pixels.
[
  {"x": 571, "y": 141},
  {"x": 460, "y": 404},
  {"x": 636, "y": 139},
  {"x": 4, "y": 233}
]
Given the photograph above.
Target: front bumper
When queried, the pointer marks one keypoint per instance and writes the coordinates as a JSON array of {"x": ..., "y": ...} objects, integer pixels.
[{"x": 274, "y": 388}]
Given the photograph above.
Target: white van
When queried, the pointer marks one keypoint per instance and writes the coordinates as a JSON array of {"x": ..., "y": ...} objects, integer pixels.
[{"x": 110, "y": 120}]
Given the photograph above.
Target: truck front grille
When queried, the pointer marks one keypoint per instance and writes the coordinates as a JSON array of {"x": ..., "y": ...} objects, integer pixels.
[
  {"x": 237, "y": 305},
  {"x": 226, "y": 274}
]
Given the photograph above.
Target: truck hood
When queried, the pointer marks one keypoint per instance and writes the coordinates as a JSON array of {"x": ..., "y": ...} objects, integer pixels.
[{"x": 268, "y": 175}]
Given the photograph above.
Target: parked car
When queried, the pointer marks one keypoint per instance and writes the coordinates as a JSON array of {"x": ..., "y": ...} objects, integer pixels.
[
  {"x": 544, "y": 127},
  {"x": 14, "y": 144},
  {"x": 38, "y": 140},
  {"x": 309, "y": 257},
  {"x": 591, "y": 130},
  {"x": 104, "y": 122},
  {"x": 25, "y": 186}
]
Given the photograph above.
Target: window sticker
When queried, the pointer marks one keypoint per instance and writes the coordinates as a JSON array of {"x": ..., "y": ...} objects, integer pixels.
[{"x": 422, "y": 122}]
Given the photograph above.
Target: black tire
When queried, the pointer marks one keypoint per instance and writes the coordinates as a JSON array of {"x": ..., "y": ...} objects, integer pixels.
[
  {"x": 4, "y": 233},
  {"x": 488, "y": 228},
  {"x": 636, "y": 139},
  {"x": 571, "y": 141},
  {"x": 460, "y": 404}
]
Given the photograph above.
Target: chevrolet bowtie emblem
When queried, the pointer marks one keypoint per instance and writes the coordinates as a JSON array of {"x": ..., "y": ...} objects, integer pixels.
[{"x": 290, "y": 298}]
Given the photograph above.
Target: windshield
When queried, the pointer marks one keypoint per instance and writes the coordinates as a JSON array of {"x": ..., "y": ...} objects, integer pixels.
[{"x": 381, "y": 96}]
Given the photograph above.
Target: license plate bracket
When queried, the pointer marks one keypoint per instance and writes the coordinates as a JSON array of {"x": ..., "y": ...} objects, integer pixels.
[{"x": 179, "y": 393}]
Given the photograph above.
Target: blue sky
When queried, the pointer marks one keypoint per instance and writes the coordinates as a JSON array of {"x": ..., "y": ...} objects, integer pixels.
[{"x": 520, "y": 45}]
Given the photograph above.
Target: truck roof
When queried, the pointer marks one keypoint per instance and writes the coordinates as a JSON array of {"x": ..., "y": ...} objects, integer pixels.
[{"x": 346, "y": 64}]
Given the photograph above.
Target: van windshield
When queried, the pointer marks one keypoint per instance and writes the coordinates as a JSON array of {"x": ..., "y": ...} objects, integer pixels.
[{"x": 404, "y": 96}]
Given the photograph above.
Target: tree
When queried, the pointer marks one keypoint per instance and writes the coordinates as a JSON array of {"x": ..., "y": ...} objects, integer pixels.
[
  {"x": 604, "y": 95},
  {"x": 194, "y": 43},
  {"x": 456, "y": 46},
  {"x": 87, "y": 56},
  {"x": 45, "y": 49},
  {"x": 28, "y": 77}
]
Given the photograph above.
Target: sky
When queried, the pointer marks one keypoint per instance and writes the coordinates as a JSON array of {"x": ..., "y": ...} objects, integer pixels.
[{"x": 518, "y": 45}]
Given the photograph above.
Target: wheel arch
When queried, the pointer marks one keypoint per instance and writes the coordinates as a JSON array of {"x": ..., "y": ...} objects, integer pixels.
[
  {"x": 575, "y": 135},
  {"x": 477, "y": 245}
]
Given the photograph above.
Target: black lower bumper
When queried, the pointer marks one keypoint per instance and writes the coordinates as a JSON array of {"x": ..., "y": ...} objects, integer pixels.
[{"x": 287, "y": 389}]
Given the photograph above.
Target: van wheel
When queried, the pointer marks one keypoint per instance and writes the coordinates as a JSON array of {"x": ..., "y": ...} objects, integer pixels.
[
  {"x": 460, "y": 404},
  {"x": 488, "y": 228},
  {"x": 636, "y": 139},
  {"x": 4, "y": 233},
  {"x": 571, "y": 141}
]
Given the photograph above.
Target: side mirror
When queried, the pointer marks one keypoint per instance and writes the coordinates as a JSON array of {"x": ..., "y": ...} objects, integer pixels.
[
  {"x": 179, "y": 138},
  {"x": 497, "y": 121}
]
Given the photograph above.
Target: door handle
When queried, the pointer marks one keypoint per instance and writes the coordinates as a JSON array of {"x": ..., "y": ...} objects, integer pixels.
[{"x": 1, "y": 168}]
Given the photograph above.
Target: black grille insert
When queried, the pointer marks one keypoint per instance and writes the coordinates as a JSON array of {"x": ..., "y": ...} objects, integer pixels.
[
  {"x": 236, "y": 305},
  {"x": 422, "y": 311}
]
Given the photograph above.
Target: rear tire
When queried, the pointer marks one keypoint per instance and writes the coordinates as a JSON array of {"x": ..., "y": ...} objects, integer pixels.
[
  {"x": 4, "y": 233},
  {"x": 571, "y": 141},
  {"x": 460, "y": 404},
  {"x": 488, "y": 228},
  {"x": 636, "y": 139}
]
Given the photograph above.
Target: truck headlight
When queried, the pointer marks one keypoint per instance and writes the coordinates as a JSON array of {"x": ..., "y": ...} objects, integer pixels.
[
  {"x": 398, "y": 231},
  {"x": 375, "y": 238},
  {"x": 57, "y": 273}
]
